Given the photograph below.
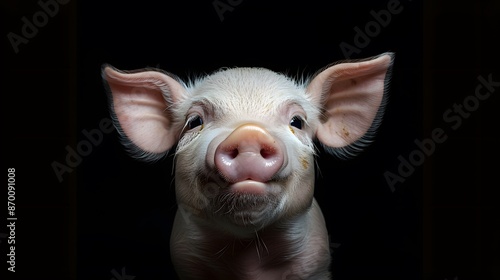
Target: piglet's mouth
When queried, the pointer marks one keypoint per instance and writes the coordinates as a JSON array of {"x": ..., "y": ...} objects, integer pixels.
[
  {"x": 246, "y": 202},
  {"x": 249, "y": 187},
  {"x": 217, "y": 189},
  {"x": 245, "y": 197}
]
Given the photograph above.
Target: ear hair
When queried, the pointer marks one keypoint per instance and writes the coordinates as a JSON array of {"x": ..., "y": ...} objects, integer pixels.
[
  {"x": 354, "y": 148},
  {"x": 131, "y": 148}
]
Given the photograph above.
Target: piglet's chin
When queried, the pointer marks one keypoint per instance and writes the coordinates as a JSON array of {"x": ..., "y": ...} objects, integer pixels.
[{"x": 249, "y": 187}]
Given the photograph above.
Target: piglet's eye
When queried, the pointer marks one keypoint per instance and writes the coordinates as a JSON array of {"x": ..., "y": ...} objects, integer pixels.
[
  {"x": 194, "y": 122},
  {"x": 297, "y": 122}
]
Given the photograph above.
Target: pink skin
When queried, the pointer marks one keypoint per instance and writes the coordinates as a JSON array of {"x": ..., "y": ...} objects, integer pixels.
[
  {"x": 248, "y": 158},
  {"x": 244, "y": 175}
]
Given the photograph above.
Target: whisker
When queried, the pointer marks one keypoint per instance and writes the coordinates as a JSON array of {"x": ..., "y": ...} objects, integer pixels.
[
  {"x": 257, "y": 249},
  {"x": 221, "y": 252},
  {"x": 257, "y": 244}
]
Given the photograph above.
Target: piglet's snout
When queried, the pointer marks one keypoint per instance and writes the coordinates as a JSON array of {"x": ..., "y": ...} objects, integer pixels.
[{"x": 249, "y": 153}]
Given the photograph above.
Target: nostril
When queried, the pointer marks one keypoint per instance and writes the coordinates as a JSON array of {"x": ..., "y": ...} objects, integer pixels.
[
  {"x": 267, "y": 152},
  {"x": 233, "y": 153}
]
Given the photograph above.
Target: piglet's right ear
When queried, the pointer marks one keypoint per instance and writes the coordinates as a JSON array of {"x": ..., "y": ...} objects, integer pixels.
[{"x": 141, "y": 104}]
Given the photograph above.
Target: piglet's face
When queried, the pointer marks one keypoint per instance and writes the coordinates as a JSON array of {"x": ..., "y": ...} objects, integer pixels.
[{"x": 244, "y": 157}]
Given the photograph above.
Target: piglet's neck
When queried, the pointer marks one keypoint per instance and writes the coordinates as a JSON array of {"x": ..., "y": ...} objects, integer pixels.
[
  {"x": 272, "y": 245},
  {"x": 281, "y": 248}
]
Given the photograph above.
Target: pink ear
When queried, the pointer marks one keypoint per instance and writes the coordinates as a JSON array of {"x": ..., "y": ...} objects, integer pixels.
[
  {"x": 141, "y": 104},
  {"x": 351, "y": 95}
]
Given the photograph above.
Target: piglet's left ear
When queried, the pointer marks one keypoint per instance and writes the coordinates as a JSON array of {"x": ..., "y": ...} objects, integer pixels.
[{"x": 351, "y": 95}]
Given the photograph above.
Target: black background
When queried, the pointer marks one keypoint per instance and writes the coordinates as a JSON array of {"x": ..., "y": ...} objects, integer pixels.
[{"x": 112, "y": 212}]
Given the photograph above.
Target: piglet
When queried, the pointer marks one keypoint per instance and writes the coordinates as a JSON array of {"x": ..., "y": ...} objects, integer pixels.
[{"x": 244, "y": 164}]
